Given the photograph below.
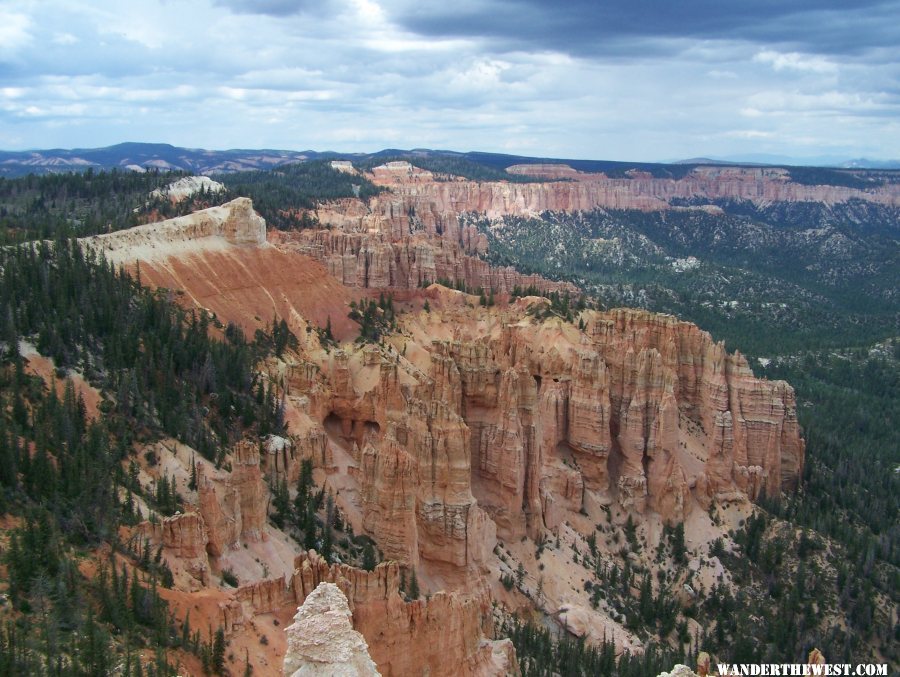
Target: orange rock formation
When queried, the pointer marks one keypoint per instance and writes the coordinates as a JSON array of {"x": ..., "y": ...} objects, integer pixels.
[{"x": 466, "y": 425}]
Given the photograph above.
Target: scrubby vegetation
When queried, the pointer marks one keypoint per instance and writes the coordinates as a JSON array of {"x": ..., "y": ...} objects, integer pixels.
[
  {"x": 810, "y": 289},
  {"x": 284, "y": 195},
  {"x": 771, "y": 280},
  {"x": 70, "y": 482},
  {"x": 375, "y": 319},
  {"x": 79, "y": 204}
]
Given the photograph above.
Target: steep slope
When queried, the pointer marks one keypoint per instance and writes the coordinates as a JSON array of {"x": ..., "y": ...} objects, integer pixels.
[
  {"x": 462, "y": 444},
  {"x": 218, "y": 259},
  {"x": 426, "y": 226}
]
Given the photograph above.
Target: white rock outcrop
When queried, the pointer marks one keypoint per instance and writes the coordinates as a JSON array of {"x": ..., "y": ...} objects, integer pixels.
[
  {"x": 321, "y": 642},
  {"x": 216, "y": 228},
  {"x": 187, "y": 186},
  {"x": 679, "y": 671}
]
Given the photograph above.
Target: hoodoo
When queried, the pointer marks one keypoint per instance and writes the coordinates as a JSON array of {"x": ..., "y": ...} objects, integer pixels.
[{"x": 466, "y": 428}]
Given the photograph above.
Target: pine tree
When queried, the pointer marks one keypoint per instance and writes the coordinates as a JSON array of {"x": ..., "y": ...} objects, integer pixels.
[
  {"x": 413, "y": 586},
  {"x": 218, "y": 652},
  {"x": 192, "y": 484},
  {"x": 281, "y": 502},
  {"x": 368, "y": 562}
]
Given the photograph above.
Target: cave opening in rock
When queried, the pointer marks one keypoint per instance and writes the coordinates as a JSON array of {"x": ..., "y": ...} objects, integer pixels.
[{"x": 349, "y": 430}]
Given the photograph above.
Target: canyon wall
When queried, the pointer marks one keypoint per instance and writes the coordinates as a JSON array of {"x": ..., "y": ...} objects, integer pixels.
[
  {"x": 464, "y": 427},
  {"x": 218, "y": 259},
  {"x": 321, "y": 640},
  {"x": 411, "y": 234},
  {"x": 441, "y": 636},
  {"x": 373, "y": 260},
  {"x": 585, "y": 191},
  {"x": 487, "y": 422}
]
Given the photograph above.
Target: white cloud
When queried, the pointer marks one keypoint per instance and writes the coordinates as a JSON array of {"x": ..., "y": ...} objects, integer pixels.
[
  {"x": 793, "y": 61},
  {"x": 14, "y": 33},
  {"x": 749, "y": 134},
  {"x": 64, "y": 39},
  {"x": 819, "y": 103},
  {"x": 355, "y": 77}
]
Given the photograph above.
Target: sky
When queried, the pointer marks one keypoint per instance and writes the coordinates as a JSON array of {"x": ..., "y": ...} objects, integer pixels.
[{"x": 642, "y": 80}]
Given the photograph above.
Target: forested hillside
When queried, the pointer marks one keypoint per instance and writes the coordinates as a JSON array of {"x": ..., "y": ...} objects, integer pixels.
[
  {"x": 68, "y": 477},
  {"x": 80, "y": 204},
  {"x": 87, "y": 203},
  {"x": 768, "y": 281},
  {"x": 811, "y": 290},
  {"x": 283, "y": 195}
]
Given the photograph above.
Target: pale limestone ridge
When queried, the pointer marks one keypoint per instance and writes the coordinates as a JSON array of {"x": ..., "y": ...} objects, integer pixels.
[
  {"x": 216, "y": 228},
  {"x": 344, "y": 166},
  {"x": 187, "y": 186},
  {"x": 322, "y": 642}
]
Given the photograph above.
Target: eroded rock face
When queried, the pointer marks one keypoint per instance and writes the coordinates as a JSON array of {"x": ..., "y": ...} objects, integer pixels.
[
  {"x": 468, "y": 423},
  {"x": 232, "y": 223},
  {"x": 585, "y": 191},
  {"x": 512, "y": 424},
  {"x": 183, "y": 538},
  {"x": 187, "y": 186},
  {"x": 234, "y": 510},
  {"x": 184, "y": 535},
  {"x": 412, "y": 234},
  {"x": 321, "y": 640},
  {"x": 220, "y": 260},
  {"x": 443, "y": 636},
  {"x": 376, "y": 261}
]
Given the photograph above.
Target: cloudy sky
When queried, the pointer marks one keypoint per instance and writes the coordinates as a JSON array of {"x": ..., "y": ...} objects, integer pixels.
[{"x": 604, "y": 79}]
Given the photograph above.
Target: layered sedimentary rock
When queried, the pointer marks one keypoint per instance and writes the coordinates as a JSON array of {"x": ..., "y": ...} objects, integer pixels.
[
  {"x": 447, "y": 634},
  {"x": 183, "y": 539},
  {"x": 748, "y": 426},
  {"x": 475, "y": 422},
  {"x": 412, "y": 234},
  {"x": 417, "y": 201},
  {"x": 444, "y": 635},
  {"x": 321, "y": 640},
  {"x": 187, "y": 186},
  {"x": 234, "y": 510},
  {"x": 184, "y": 535},
  {"x": 219, "y": 259},
  {"x": 531, "y": 415},
  {"x": 373, "y": 260},
  {"x": 234, "y": 223},
  {"x": 585, "y": 191},
  {"x": 465, "y": 424}
]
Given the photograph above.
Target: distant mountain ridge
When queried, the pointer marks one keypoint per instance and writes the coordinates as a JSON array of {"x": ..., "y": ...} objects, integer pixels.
[
  {"x": 142, "y": 156},
  {"x": 763, "y": 159},
  {"x": 137, "y": 156}
]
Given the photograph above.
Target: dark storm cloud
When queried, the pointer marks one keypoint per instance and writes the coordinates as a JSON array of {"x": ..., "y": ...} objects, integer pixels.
[
  {"x": 635, "y": 80},
  {"x": 635, "y": 27}
]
